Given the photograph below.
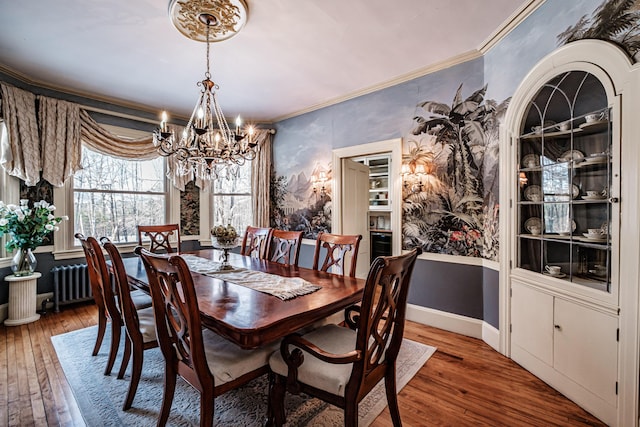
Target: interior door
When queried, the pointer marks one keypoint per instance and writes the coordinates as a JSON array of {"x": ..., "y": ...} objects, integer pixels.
[{"x": 355, "y": 209}]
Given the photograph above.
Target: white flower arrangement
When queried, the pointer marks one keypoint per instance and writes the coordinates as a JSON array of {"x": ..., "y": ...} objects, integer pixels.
[{"x": 28, "y": 226}]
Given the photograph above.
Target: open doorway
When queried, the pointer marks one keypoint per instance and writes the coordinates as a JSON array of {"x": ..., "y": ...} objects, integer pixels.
[{"x": 342, "y": 205}]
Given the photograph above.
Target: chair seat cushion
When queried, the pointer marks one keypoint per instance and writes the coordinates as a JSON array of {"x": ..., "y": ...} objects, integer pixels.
[
  {"x": 147, "y": 324},
  {"x": 228, "y": 362},
  {"x": 325, "y": 376},
  {"x": 140, "y": 299}
]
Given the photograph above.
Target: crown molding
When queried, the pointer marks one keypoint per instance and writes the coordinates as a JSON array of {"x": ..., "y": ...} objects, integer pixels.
[
  {"x": 447, "y": 63},
  {"x": 505, "y": 28},
  {"x": 509, "y": 24},
  {"x": 88, "y": 96}
]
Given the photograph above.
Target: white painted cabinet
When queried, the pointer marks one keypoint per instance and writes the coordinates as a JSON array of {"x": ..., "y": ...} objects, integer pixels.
[
  {"x": 567, "y": 343},
  {"x": 569, "y": 236}
]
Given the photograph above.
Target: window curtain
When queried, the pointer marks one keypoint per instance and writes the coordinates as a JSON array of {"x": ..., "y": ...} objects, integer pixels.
[
  {"x": 21, "y": 147},
  {"x": 59, "y": 124},
  {"x": 99, "y": 139},
  {"x": 261, "y": 178}
]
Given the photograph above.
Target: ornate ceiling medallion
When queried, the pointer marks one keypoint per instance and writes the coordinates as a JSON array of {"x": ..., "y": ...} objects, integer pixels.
[{"x": 191, "y": 17}]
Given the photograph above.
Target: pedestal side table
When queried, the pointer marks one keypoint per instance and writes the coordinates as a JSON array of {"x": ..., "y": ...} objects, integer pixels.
[{"x": 22, "y": 299}]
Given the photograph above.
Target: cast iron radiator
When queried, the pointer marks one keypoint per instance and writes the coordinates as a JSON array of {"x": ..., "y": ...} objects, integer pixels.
[{"x": 70, "y": 284}]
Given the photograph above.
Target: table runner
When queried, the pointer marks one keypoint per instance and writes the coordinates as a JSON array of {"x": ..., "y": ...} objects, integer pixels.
[{"x": 282, "y": 287}]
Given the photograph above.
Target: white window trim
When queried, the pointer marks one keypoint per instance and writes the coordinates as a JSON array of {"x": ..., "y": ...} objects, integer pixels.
[{"x": 63, "y": 199}]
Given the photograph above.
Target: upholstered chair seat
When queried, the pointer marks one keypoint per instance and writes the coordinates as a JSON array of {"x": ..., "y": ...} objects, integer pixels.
[
  {"x": 147, "y": 324},
  {"x": 229, "y": 362},
  {"x": 140, "y": 299},
  {"x": 325, "y": 376}
]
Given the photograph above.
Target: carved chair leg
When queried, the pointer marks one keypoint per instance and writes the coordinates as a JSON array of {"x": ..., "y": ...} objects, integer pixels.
[
  {"x": 125, "y": 357},
  {"x": 351, "y": 414},
  {"x": 102, "y": 327},
  {"x": 167, "y": 398},
  {"x": 136, "y": 371},
  {"x": 392, "y": 396},
  {"x": 207, "y": 408},
  {"x": 277, "y": 391},
  {"x": 116, "y": 329}
]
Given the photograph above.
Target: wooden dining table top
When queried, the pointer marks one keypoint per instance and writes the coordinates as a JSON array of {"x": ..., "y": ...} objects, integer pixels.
[{"x": 252, "y": 318}]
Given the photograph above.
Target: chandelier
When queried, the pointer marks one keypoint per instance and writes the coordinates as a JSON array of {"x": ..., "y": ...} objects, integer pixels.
[{"x": 207, "y": 147}]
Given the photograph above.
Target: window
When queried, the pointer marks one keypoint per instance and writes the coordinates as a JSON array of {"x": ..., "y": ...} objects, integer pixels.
[
  {"x": 112, "y": 196},
  {"x": 231, "y": 200}
]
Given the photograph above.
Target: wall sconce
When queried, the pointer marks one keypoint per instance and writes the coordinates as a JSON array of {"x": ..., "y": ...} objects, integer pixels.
[
  {"x": 319, "y": 180},
  {"x": 413, "y": 172}
]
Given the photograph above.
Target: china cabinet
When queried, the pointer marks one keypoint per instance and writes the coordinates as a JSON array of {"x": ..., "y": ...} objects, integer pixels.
[
  {"x": 379, "y": 189},
  {"x": 570, "y": 318}
]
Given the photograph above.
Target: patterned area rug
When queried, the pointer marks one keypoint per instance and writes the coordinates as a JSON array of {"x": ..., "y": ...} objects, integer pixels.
[{"x": 100, "y": 397}]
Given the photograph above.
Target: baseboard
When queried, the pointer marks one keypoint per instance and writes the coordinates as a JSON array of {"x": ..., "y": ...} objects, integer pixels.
[
  {"x": 491, "y": 336},
  {"x": 4, "y": 308},
  {"x": 447, "y": 321}
]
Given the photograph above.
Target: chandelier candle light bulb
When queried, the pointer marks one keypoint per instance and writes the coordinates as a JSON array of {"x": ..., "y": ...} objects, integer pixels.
[{"x": 208, "y": 149}]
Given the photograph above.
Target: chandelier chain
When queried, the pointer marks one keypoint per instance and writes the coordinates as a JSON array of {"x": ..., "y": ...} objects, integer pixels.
[{"x": 208, "y": 148}]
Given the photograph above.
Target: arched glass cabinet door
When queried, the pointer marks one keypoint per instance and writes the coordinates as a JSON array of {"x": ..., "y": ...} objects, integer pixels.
[{"x": 564, "y": 178}]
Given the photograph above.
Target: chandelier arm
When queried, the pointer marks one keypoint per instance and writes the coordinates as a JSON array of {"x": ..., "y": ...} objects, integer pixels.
[{"x": 208, "y": 148}]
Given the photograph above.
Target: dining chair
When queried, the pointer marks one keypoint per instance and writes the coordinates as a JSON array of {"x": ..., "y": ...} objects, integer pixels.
[
  {"x": 139, "y": 324},
  {"x": 336, "y": 247},
  {"x": 341, "y": 365},
  {"x": 160, "y": 236},
  {"x": 105, "y": 298},
  {"x": 205, "y": 360},
  {"x": 255, "y": 242},
  {"x": 284, "y": 247}
]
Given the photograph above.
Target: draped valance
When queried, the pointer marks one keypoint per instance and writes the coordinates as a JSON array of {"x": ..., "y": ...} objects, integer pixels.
[{"x": 43, "y": 134}]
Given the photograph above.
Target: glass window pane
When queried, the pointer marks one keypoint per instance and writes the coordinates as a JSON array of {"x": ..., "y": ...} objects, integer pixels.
[
  {"x": 234, "y": 210},
  {"x": 116, "y": 215},
  {"x": 102, "y": 172},
  {"x": 239, "y": 184}
]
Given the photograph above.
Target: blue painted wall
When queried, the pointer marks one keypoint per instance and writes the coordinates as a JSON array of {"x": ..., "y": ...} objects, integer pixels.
[{"x": 304, "y": 140}]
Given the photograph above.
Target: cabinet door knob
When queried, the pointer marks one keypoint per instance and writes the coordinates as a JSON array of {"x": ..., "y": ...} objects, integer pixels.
[{"x": 558, "y": 327}]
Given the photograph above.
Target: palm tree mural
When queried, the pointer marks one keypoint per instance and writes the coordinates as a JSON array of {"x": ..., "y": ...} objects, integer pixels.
[
  {"x": 615, "y": 21},
  {"x": 457, "y": 145}
]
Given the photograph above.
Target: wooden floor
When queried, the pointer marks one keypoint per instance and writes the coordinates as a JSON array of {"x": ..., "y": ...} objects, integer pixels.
[{"x": 466, "y": 383}]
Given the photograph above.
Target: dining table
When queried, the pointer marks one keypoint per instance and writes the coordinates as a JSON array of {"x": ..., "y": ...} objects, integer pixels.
[{"x": 252, "y": 318}]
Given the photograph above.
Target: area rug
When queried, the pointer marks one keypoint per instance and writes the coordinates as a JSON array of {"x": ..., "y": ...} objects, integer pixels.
[{"x": 100, "y": 397}]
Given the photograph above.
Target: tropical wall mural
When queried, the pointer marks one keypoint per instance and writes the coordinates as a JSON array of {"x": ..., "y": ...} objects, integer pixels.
[
  {"x": 449, "y": 122},
  {"x": 454, "y": 211}
]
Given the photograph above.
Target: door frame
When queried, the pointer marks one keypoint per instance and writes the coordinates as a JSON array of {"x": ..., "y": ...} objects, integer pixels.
[{"x": 393, "y": 146}]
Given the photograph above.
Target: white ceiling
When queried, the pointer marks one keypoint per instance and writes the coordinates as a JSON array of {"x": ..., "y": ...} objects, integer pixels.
[{"x": 291, "y": 56}]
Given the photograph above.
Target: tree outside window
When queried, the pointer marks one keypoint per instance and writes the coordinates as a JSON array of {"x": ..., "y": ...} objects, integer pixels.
[{"x": 112, "y": 196}]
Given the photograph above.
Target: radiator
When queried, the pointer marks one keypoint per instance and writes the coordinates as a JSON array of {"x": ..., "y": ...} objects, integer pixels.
[{"x": 70, "y": 284}]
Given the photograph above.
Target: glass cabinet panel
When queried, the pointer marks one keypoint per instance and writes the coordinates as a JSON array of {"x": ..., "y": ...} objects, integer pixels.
[{"x": 565, "y": 180}]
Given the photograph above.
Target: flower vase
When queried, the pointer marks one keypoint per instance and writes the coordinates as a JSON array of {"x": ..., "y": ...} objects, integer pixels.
[
  {"x": 225, "y": 245},
  {"x": 23, "y": 262}
]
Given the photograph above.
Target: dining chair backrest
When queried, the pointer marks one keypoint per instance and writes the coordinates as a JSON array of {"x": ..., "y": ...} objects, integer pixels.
[
  {"x": 127, "y": 307},
  {"x": 140, "y": 325},
  {"x": 103, "y": 295},
  {"x": 336, "y": 248},
  {"x": 371, "y": 349},
  {"x": 284, "y": 247},
  {"x": 97, "y": 275},
  {"x": 160, "y": 237},
  {"x": 256, "y": 241},
  {"x": 200, "y": 357},
  {"x": 178, "y": 324}
]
